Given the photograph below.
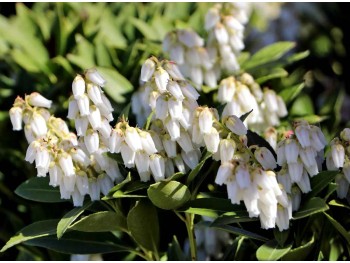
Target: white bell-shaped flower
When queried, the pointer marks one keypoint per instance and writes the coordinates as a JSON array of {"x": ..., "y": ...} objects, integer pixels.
[
  {"x": 16, "y": 118},
  {"x": 78, "y": 86},
  {"x": 95, "y": 77},
  {"x": 147, "y": 70},
  {"x": 37, "y": 100}
]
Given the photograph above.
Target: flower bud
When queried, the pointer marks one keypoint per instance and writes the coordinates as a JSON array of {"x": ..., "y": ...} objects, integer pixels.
[
  {"x": 95, "y": 77},
  {"x": 234, "y": 124},
  {"x": 191, "y": 158},
  {"x": 212, "y": 140},
  {"x": 224, "y": 172},
  {"x": 190, "y": 38},
  {"x": 81, "y": 125},
  {"x": 128, "y": 155},
  {"x": 157, "y": 166},
  {"x": 78, "y": 86},
  {"x": 37, "y": 100},
  {"x": 342, "y": 186},
  {"x": 161, "y": 78},
  {"x": 338, "y": 154},
  {"x": 147, "y": 70},
  {"x": 94, "y": 93},
  {"x": 83, "y": 104},
  {"x": 91, "y": 141},
  {"x": 132, "y": 138},
  {"x": 38, "y": 125},
  {"x": 291, "y": 150},
  {"x": 205, "y": 120},
  {"x": 16, "y": 118},
  {"x": 265, "y": 158},
  {"x": 66, "y": 164},
  {"x": 94, "y": 117}
]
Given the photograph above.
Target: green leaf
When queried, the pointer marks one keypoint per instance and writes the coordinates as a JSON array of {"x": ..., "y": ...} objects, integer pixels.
[
  {"x": 234, "y": 217},
  {"x": 272, "y": 251},
  {"x": 300, "y": 253},
  {"x": 289, "y": 94},
  {"x": 240, "y": 232},
  {"x": 117, "y": 84},
  {"x": 168, "y": 195},
  {"x": 69, "y": 218},
  {"x": 35, "y": 230},
  {"x": 313, "y": 119},
  {"x": 148, "y": 121},
  {"x": 268, "y": 54},
  {"x": 302, "y": 106},
  {"x": 101, "y": 222},
  {"x": 313, "y": 206},
  {"x": 95, "y": 243},
  {"x": 339, "y": 227},
  {"x": 273, "y": 74},
  {"x": 38, "y": 189},
  {"x": 321, "y": 181},
  {"x": 125, "y": 112},
  {"x": 280, "y": 236},
  {"x": 245, "y": 115},
  {"x": 175, "y": 252},
  {"x": 146, "y": 30},
  {"x": 337, "y": 203},
  {"x": 143, "y": 225},
  {"x": 298, "y": 56},
  {"x": 197, "y": 169}
]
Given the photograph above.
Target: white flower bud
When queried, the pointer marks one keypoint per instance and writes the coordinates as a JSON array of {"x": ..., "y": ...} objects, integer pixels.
[
  {"x": 32, "y": 150},
  {"x": 157, "y": 166},
  {"x": 205, "y": 121},
  {"x": 173, "y": 128},
  {"x": 284, "y": 179},
  {"x": 221, "y": 34},
  {"x": 38, "y": 125},
  {"x": 308, "y": 156},
  {"x": 212, "y": 17},
  {"x": 37, "y": 100},
  {"x": 94, "y": 117},
  {"x": 250, "y": 198},
  {"x": 338, "y": 154},
  {"x": 177, "y": 53},
  {"x": 83, "y": 104},
  {"x": 169, "y": 168},
  {"x": 196, "y": 75},
  {"x": 291, "y": 150},
  {"x": 105, "y": 128},
  {"x": 281, "y": 156},
  {"x": 78, "y": 199},
  {"x": 212, "y": 140},
  {"x": 147, "y": 70},
  {"x": 346, "y": 169},
  {"x": 142, "y": 162},
  {"x": 282, "y": 219},
  {"x": 227, "y": 150},
  {"x": 79, "y": 156},
  {"x": 282, "y": 109},
  {"x": 82, "y": 183},
  {"x": 78, "y": 86},
  {"x": 147, "y": 142},
  {"x": 224, "y": 172},
  {"x": 210, "y": 78},
  {"x": 29, "y": 133},
  {"x": 94, "y": 93},
  {"x": 161, "y": 108},
  {"x": 94, "y": 76},
  {"x": 56, "y": 175},
  {"x": 128, "y": 155},
  {"x": 91, "y": 141},
  {"x": 304, "y": 183},
  {"x": 175, "y": 90},
  {"x": 175, "y": 109},
  {"x": 296, "y": 198},
  {"x": 295, "y": 171},
  {"x": 94, "y": 190},
  {"x": 303, "y": 135},
  {"x": 161, "y": 78},
  {"x": 169, "y": 146},
  {"x": 16, "y": 118},
  {"x": 342, "y": 186},
  {"x": 189, "y": 91},
  {"x": 42, "y": 159},
  {"x": 132, "y": 138},
  {"x": 179, "y": 163},
  {"x": 234, "y": 193},
  {"x": 243, "y": 176},
  {"x": 81, "y": 125},
  {"x": 105, "y": 184},
  {"x": 191, "y": 158},
  {"x": 173, "y": 71},
  {"x": 234, "y": 124},
  {"x": 318, "y": 141},
  {"x": 345, "y": 134},
  {"x": 66, "y": 164},
  {"x": 185, "y": 141},
  {"x": 190, "y": 38},
  {"x": 265, "y": 158},
  {"x": 73, "y": 109}
]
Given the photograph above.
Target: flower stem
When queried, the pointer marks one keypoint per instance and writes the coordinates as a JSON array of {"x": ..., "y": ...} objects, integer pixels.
[{"x": 191, "y": 236}]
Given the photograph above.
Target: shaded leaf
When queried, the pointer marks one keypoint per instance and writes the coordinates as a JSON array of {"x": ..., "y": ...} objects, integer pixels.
[
  {"x": 234, "y": 217},
  {"x": 175, "y": 252},
  {"x": 197, "y": 169},
  {"x": 321, "y": 181},
  {"x": 301, "y": 252},
  {"x": 240, "y": 232},
  {"x": 313, "y": 206},
  {"x": 38, "y": 189},
  {"x": 339, "y": 227},
  {"x": 337, "y": 203},
  {"x": 289, "y": 94},
  {"x": 272, "y": 251},
  {"x": 147, "y": 31},
  {"x": 302, "y": 106},
  {"x": 273, "y": 74},
  {"x": 168, "y": 195},
  {"x": 255, "y": 139}
]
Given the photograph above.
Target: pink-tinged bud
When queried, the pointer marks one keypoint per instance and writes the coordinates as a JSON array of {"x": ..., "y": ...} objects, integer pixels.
[
  {"x": 128, "y": 155},
  {"x": 37, "y": 100},
  {"x": 205, "y": 121},
  {"x": 234, "y": 124},
  {"x": 91, "y": 141},
  {"x": 157, "y": 165},
  {"x": 212, "y": 140},
  {"x": 265, "y": 158},
  {"x": 95, "y": 77},
  {"x": 94, "y": 117},
  {"x": 338, "y": 154},
  {"x": 161, "y": 78},
  {"x": 83, "y": 104},
  {"x": 224, "y": 172},
  {"x": 147, "y": 70},
  {"x": 78, "y": 86},
  {"x": 94, "y": 93},
  {"x": 66, "y": 164},
  {"x": 16, "y": 117},
  {"x": 291, "y": 150}
]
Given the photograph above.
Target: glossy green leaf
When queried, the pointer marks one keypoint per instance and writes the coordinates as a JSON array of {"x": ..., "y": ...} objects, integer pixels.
[
  {"x": 35, "y": 230},
  {"x": 198, "y": 168},
  {"x": 272, "y": 251},
  {"x": 38, "y": 189},
  {"x": 313, "y": 206},
  {"x": 240, "y": 232},
  {"x": 301, "y": 252},
  {"x": 143, "y": 225},
  {"x": 101, "y": 222},
  {"x": 83, "y": 244},
  {"x": 339, "y": 227},
  {"x": 321, "y": 181},
  {"x": 117, "y": 84},
  {"x": 273, "y": 74},
  {"x": 69, "y": 218},
  {"x": 302, "y": 106},
  {"x": 268, "y": 54},
  {"x": 168, "y": 195},
  {"x": 289, "y": 94}
]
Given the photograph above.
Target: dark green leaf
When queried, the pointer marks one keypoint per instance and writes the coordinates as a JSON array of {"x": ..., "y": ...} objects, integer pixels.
[
  {"x": 240, "y": 232},
  {"x": 168, "y": 195},
  {"x": 339, "y": 227},
  {"x": 143, "y": 225},
  {"x": 255, "y": 139},
  {"x": 321, "y": 181},
  {"x": 289, "y": 94},
  {"x": 272, "y": 251},
  {"x": 300, "y": 253},
  {"x": 281, "y": 236},
  {"x": 38, "y": 189},
  {"x": 234, "y": 217},
  {"x": 197, "y": 169},
  {"x": 35, "y": 230},
  {"x": 175, "y": 252},
  {"x": 101, "y": 222},
  {"x": 69, "y": 218},
  {"x": 268, "y": 54},
  {"x": 312, "y": 206}
]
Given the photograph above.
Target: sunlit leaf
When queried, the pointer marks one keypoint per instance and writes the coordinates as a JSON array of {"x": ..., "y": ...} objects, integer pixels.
[
  {"x": 272, "y": 251},
  {"x": 313, "y": 206}
]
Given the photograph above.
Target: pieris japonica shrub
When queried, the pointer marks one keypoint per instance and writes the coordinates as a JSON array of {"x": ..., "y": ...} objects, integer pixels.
[{"x": 203, "y": 162}]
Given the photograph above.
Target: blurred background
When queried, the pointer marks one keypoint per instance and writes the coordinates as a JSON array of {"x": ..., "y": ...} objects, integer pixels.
[{"x": 43, "y": 46}]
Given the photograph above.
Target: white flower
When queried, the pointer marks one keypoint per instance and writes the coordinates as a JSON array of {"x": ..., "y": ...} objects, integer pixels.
[
  {"x": 174, "y": 88},
  {"x": 128, "y": 155},
  {"x": 142, "y": 162},
  {"x": 185, "y": 141},
  {"x": 82, "y": 183},
  {"x": 79, "y": 156},
  {"x": 296, "y": 198},
  {"x": 179, "y": 163},
  {"x": 190, "y": 158},
  {"x": 265, "y": 158},
  {"x": 147, "y": 142},
  {"x": 318, "y": 141},
  {"x": 282, "y": 219},
  {"x": 308, "y": 156},
  {"x": 161, "y": 108},
  {"x": 91, "y": 141},
  {"x": 175, "y": 109},
  {"x": 221, "y": 34},
  {"x": 94, "y": 190},
  {"x": 177, "y": 53},
  {"x": 227, "y": 150},
  {"x": 95, "y": 77},
  {"x": 346, "y": 169},
  {"x": 242, "y": 176},
  {"x": 190, "y": 38},
  {"x": 147, "y": 70},
  {"x": 37, "y": 100},
  {"x": 173, "y": 128},
  {"x": 169, "y": 146},
  {"x": 212, "y": 140},
  {"x": 295, "y": 171},
  {"x": 81, "y": 125},
  {"x": 345, "y": 134},
  {"x": 16, "y": 118},
  {"x": 196, "y": 76},
  {"x": 83, "y": 104},
  {"x": 66, "y": 164},
  {"x": 235, "y": 125},
  {"x": 105, "y": 183},
  {"x": 105, "y": 129},
  {"x": 342, "y": 186},
  {"x": 38, "y": 125},
  {"x": 73, "y": 109},
  {"x": 161, "y": 78},
  {"x": 94, "y": 93},
  {"x": 173, "y": 71},
  {"x": 115, "y": 140},
  {"x": 282, "y": 109},
  {"x": 291, "y": 150},
  {"x": 29, "y": 133},
  {"x": 338, "y": 154},
  {"x": 56, "y": 175},
  {"x": 78, "y": 199},
  {"x": 78, "y": 86},
  {"x": 303, "y": 135},
  {"x": 304, "y": 183},
  {"x": 157, "y": 166},
  {"x": 42, "y": 158},
  {"x": 205, "y": 121},
  {"x": 94, "y": 117},
  {"x": 189, "y": 91},
  {"x": 212, "y": 17},
  {"x": 132, "y": 138}
]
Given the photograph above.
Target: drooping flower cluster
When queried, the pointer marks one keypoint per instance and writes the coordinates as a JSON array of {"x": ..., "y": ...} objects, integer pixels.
[
  {"x": 251, "y": 179},
  {"x": 300, "y": 155},
  {"x": 339, "y": 158},
  {"x": 225, "y": 26},
  {"x": 267, "y": 106}
]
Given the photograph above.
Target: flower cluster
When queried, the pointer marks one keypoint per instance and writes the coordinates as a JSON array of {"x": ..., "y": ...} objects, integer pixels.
[
  {"x": 339, "y": 157},
  {"x": 267, "y": 106},
  {"x": 300, "y": 155}
]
